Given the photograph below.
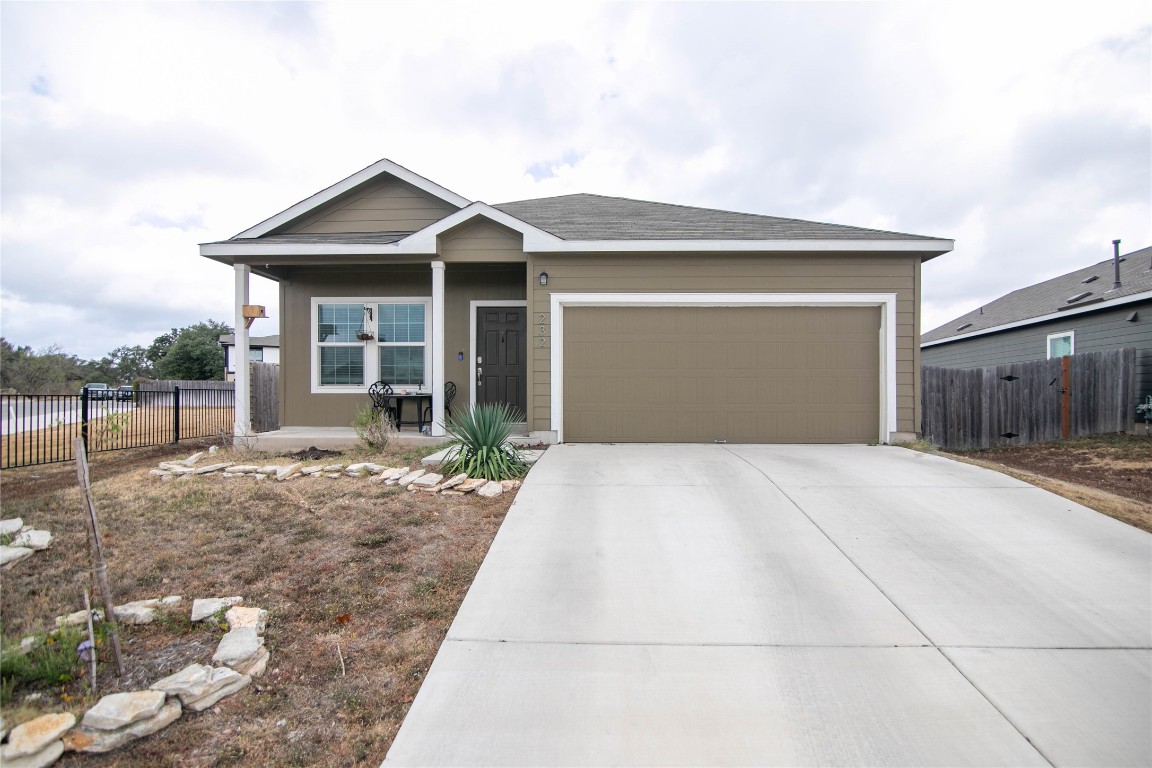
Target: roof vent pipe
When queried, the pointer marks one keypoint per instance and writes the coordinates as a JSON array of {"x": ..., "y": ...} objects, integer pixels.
[{"x": 1115, "y": 265}]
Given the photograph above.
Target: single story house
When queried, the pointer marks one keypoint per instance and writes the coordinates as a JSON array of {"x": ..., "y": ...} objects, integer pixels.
[
  {"x": 1082, "y": 311},
  {"x": 261, "y": 349},
  {"x": 602, "y": 319}
]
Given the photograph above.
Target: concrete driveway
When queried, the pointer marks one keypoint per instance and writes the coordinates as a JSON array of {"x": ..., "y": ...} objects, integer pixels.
[{"x": 792, "y": 605}]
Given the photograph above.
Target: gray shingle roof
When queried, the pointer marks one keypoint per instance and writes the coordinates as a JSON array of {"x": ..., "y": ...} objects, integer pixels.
[
  {"x": 1052, "y": 295},
  {"x": 595, "y": 217},
  {"x": 346, "y": 238}
]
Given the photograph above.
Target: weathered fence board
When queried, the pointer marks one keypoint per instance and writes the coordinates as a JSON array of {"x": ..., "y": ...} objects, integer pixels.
[
  {"x": 1019, "y": 403},
  {"x": 265, "y": 396},
  {"x": 167, "y": 385}
]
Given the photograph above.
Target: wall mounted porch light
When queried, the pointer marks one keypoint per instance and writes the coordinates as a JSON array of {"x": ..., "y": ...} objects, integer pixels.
[{"x": 543, "y": 278}]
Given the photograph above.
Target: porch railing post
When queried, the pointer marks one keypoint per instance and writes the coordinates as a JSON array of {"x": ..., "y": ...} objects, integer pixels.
[{"x": 175, "y": 414}]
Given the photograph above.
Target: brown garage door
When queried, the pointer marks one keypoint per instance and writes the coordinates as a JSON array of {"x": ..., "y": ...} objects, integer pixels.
[{"x": 739, "y": 374}]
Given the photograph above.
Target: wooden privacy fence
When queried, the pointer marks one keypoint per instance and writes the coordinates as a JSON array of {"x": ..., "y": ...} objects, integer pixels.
[
  {"x": 265, "y": 396},
  {"x": 1019, "y": 403}
]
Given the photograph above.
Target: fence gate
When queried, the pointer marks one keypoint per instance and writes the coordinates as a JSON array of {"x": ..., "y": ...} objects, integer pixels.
[
  {"x": 1020, "y": 403},
  {"x": 265, "y": 396}
]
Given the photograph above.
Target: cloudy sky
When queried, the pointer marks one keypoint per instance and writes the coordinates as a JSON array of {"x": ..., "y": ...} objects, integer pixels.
[{"x": 130, "y": 133}]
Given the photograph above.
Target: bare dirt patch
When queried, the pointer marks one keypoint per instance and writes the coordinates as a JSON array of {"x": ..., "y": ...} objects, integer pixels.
[
  {"x": 1109, "y": 473},
  {"x": 377, "y": 570}
]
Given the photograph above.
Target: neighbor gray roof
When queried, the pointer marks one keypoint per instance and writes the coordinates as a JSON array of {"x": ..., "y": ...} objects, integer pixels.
[
  {"x": 1053, "y": 295},
  {"x": 253, "y": 341},
  {"x": 595, "y": 217}
]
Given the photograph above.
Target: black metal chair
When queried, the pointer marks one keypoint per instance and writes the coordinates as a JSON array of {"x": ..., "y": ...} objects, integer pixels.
[
  {"x": 449, "y": 395},
  {"x": 381, "y": 394}
]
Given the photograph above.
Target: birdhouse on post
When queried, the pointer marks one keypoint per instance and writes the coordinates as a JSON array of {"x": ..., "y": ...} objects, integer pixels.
[{"x": 251, "y": 313}]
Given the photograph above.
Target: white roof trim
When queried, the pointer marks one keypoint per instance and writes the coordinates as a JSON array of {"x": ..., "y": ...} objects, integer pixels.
[
  {"x": 327, "y": 195},
  {"x": 1043, "y": 318},
  {"x": 424, "y": 241}
]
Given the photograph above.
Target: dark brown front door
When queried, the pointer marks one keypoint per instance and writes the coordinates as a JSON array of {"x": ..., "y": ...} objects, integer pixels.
[{"x": 501, "y": 366}]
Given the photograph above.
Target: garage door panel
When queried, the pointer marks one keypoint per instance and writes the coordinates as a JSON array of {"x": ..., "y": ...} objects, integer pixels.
[{"x": 741, "y": 374}]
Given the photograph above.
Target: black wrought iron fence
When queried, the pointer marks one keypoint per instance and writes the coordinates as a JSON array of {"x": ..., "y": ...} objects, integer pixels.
[{"x": 39, "y": 429}]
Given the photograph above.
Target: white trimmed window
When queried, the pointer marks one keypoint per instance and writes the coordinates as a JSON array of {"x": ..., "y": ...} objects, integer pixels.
[
  {"x": 358, "y": 341},
  {"x": 1061, "y": 344}
]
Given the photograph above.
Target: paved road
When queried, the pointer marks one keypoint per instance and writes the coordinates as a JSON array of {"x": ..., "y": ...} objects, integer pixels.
[{"x": 792, "y": 605}]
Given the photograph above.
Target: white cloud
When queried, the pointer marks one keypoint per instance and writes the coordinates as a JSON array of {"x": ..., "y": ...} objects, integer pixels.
[{"x": 131, "y": 132}]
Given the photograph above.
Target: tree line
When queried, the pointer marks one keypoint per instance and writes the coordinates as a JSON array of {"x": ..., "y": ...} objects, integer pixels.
[{"x": 192, "y": 353}]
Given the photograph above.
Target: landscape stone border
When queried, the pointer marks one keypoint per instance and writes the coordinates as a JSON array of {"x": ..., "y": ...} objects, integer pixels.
[
  {"x": 413, "y": 480},
  {"x": 121, "y": 718},
  {"x": 22, "y": 541}
]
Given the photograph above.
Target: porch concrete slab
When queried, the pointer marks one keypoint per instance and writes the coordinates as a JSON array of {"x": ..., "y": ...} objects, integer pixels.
[
  {"x": 1077, "y": 706},
  {"x": 856, "y": 466},
  {"x": 675, "y": 564},
  {"x": 644, "y": 464},
  {"x": 512, "y": 704},
  {"x": 991, "y": 566}
]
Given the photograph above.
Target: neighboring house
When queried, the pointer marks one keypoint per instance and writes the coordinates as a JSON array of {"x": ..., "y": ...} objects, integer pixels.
[
  {"x": 603, "y": 319},
  {"x": 261, "y": 349},
  {"x": 1073, "y": 313}
]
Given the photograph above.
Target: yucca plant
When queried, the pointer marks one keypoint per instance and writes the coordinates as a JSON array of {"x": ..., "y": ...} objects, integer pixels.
[{"x": 480, "y": 444}]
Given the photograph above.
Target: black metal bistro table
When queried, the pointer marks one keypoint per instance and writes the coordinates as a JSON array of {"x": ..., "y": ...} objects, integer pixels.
[{"x": 422, "y": 400}]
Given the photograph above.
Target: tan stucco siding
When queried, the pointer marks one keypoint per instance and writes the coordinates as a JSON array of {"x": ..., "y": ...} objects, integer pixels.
[
  {"x": 388, "y": 205},
  {"x": 299, "y": 407},
  {"x": 463, "y": 284},
  {"x": 481, "y": 241},
  {"x": 728, "y": 273}
]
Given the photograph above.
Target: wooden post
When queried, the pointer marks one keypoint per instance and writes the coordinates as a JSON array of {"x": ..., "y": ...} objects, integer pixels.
[
  {"x": 99, "y": 568},
  {"x": 1065, "y": 396}
]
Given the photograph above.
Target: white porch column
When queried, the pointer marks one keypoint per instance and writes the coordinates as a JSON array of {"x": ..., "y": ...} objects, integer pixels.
[
  {"x": 438, "y": 348},
  {"x": 243, "y": 425}
]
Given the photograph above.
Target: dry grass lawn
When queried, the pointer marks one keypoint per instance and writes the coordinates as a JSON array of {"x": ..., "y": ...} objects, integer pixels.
[{"x": 378, "y": 571}]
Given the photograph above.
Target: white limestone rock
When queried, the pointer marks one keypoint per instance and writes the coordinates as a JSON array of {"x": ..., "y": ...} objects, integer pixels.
[
  {"x": 333, "y": 475},
  {"x": 137, "y": 612},
  {"x": 410, "y": 478},
  {"x": 390, "y": 478},
  {"x": 159, "y": 473},
  {"x": 86, "y": 739},
  {"x": 427, "y": 480},
  {"x": 332, "y": 468},
  {"x": 376, "y": 469},
  {"x": 11, "y": 526},
  {"x": 203, "y": 608},
  {"x": 454, "y": 481},
  {"x": 239, "y": 617},
  {"x": 238, "y": 647},
  {"x": 509, "y": 485},
  {"x": 191, "y": 460},
  {"x": 311, "y": 470},
  {"x": 208, "y": 469},
  {"x": 471, "y": 484},
  {"x": 33, "y": 539},
  {"x": 286, "y": 472},
  {"x": 117, "y": 710},
  {"x": 33, "y": 736},
  {"x": 29, "y": 644},
  {"x": 358, "y": 469},
  {"x": 11, "y": 555},
  {"x": 195, "y": 681},
  {"x": 490, "y": 490},
  {"x": 170, "y": 601},
  {"x": 271, "y": 469},
  {"x": 234, "y": 685},
  {"x": 77, "y": 618},
  {"x": 255, "y": 666},
  {"x": 241, "y": 469},
  {"x": 41, "y": 759},
  {"x": 451, "y": 493}
]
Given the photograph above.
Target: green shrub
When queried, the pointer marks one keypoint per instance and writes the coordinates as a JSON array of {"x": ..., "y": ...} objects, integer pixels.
[
  {"x": 52, "y": 663},
  {"x": 373, "y": 427},
  {"x": 480, "y": 444}
]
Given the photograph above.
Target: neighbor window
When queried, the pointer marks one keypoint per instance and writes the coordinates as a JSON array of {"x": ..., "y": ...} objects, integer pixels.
[
  {"x": 1061, "y": 344},
  {"x": 256, "y": 355},
  {"x": 357, "y": 343}
]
